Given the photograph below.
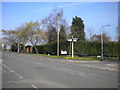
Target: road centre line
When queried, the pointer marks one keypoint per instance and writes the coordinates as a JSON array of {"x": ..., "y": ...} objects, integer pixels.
[
  {"x": 99, "y": 67},
  {"x": 111, "y": 64},
  {"x": 74, "y": 72},
  {"x": 12, "y": 71},
  {"x": 84, "y": 74},
  {"x": 2, "y": 70},
  {"x": 6, "y": 67},
  {"x": 34, "y": 86},
  {"x": 21, "y": 77},
  {"x": 16, "y": 74}
]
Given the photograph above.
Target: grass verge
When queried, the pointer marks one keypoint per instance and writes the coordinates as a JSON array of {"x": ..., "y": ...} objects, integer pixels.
[
  {"x": 68, "y": 57},
  {"x": 76, "y": 57}
]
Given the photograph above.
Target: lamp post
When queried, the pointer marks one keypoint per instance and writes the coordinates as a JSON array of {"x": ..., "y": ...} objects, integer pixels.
[
  {"x": 101, "y": 29},
  {"x": 18, "y": 47},
  {"x": 58, "y": 34}
]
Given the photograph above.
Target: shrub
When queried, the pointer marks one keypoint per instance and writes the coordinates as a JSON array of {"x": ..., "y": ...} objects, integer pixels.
[{"x": 90, "y": 48}]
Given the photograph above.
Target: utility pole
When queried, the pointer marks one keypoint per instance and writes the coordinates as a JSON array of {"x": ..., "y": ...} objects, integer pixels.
[
  {"x": 18, "y": 48},
  {"x": 101, "y": 44},
  {"x": 72, "y": 48},
  {"x": 102, "y": 40},
  {"x": 58, "y": 35}
]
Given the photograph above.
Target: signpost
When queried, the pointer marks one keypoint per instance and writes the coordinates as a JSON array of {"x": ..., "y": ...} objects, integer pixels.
[
  {"x": 64, "y": 52},
  {"x": 73, "y": 40}
]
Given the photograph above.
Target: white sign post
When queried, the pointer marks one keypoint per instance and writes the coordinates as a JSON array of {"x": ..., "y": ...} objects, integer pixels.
[{"x": 73, "y": 40}]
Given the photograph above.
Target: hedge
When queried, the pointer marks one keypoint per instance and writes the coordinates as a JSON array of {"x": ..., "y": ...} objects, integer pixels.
[{"x": 80, "y": 47}]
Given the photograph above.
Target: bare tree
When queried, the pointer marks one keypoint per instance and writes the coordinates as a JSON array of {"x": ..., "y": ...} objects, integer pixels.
[
  {"x": 98, "y": 38},
  {"x": 90, "y": 32},
  {"x": 50, "y": 24}
]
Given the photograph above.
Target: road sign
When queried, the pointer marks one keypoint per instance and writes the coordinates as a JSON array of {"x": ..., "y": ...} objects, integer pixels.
[
  {"x": 63, "y": 52},
  {"x": 69, "y": 40}
]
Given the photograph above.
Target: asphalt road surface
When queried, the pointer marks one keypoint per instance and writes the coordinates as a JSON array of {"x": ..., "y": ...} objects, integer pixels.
[{"x": 33, "y": 71}]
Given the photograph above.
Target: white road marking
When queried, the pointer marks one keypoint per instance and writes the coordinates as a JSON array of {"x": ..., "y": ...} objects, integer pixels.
[
  {"x": 100, "y": 67},
  {"x": 6, "y": 66},
  {"x": 111, "y": 64},
  {"x": 103, "y": 68},
  {"x": 19, "y": 76},
  {"x": 34, "y": 86},
  {"x": 72, "y": 71},
  {"x": 16, "y": 74},
  {"x": 84, "y": 74},
  {"x": 77, "y": 72},
  {"x": 2, "y": 70},
  {"x": 112, "y": 69},
  {"x": 12, "y": 71}
]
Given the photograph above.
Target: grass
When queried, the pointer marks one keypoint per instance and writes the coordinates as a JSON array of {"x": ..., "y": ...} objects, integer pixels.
[
  {"x": 82, "y": 58},
  {"x": 68, "y": 57},
  {"x": 111, "y": 58},
  {"x": 75, "y": 57},
  {"x": 53, "y": 56}
]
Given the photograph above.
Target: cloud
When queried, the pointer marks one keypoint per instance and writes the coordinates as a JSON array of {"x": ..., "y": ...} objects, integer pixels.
[{"x": 65, "y": 5}]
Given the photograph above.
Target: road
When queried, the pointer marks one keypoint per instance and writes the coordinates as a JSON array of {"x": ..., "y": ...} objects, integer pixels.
[{"x": 33, "y": 71}]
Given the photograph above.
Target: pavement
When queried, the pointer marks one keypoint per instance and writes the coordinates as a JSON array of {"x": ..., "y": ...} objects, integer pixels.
[{"x": 33, "y": 71}]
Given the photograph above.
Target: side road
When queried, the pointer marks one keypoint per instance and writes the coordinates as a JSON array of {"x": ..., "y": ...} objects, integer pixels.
[{"x": 105, "y": 65}]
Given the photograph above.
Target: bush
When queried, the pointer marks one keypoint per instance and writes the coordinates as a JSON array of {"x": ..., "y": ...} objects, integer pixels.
[{"x": 90, "y": 48}]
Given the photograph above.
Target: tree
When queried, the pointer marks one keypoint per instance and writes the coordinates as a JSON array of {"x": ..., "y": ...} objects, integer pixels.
[
  {"x": 9, "y": 37},
  {"x": 32, "y": 32},
  {"x": 97, "y": 38},
  {"x": 21, "y": 37},
  {"x": 51, "y": 34},
  {"x": 63, "y": 35},
  {"x": 90, "y": 32},
  {"x": 77, "y": 28},
  {"x": 50, "y": 24}
]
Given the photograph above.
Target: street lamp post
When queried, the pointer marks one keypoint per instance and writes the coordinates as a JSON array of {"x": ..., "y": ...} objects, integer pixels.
[
  {"x": 102, "y": 40},
  {"x": 58, "y": 35},
  {"x": 18, "y": 47}
]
